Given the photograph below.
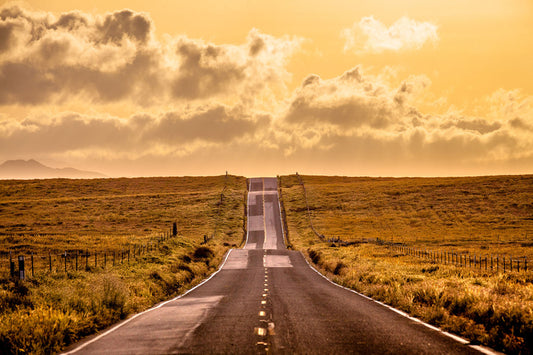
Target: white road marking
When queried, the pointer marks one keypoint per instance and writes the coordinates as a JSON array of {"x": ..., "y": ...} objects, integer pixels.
[
  {"x": 277, "y": 261},
  {"x": 238, "y": 260},
  {"x": 255, "y": 223}
]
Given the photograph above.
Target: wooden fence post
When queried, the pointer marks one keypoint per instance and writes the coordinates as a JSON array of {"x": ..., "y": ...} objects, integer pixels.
[
  {"x": 77, "y": 252},
  {"x": 32, "y": 271},
  {"x": 21, "y": 267}
]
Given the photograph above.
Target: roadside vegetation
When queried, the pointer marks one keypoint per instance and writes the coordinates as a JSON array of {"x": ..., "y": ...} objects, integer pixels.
[
  {"x": 47, "y": 312},
  {"x": 477, "y": 215}
]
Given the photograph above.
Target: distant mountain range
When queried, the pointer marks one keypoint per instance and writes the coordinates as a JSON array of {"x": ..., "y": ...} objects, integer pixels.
[{"x": 32, "y": 169}]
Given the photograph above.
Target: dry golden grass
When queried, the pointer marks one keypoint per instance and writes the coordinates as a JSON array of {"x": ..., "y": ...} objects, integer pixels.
[
  {"x": 112, "y": 207},
  {"x": 481, "y": 215},
  {"x": 51, "y": 310},
  {"x": 477, "y": 214}
]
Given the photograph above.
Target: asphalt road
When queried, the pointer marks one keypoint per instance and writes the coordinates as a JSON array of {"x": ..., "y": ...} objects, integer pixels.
[{"x": 266, "y": 299}]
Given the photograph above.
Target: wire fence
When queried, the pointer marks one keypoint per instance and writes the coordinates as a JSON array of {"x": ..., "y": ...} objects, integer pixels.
[
  {"x": 492, "y": 263},
  {"x": 30, "y": 263},
  {"x": 319, "y": 235}
]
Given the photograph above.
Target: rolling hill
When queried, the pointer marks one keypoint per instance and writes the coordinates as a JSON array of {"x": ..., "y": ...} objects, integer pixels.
[{"x": 32, "y": 169}]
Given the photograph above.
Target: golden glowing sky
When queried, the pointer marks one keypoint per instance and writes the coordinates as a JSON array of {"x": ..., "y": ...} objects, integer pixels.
[{"x": 416, "y": 87}]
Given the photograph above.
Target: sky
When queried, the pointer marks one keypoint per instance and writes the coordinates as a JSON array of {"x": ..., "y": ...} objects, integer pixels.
[{"x": 259, "y": 88}]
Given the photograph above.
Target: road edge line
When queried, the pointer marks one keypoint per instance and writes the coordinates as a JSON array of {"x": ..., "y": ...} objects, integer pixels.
[
  {"x": 247, "y": 214},
  {"x": 281, "y": 220},
  {"x": 126, "y": 321},
  {"x": 482, "y": 349}
]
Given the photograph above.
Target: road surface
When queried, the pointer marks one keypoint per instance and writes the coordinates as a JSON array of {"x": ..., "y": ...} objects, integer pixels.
[{"x": 266, "y": 299}]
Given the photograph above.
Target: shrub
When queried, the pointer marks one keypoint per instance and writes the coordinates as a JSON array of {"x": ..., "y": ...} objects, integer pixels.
[{"x": 203, "y": 253}]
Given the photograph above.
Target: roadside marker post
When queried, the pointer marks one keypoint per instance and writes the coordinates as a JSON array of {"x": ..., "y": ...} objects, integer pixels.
[{"x": 21, "y": 267}]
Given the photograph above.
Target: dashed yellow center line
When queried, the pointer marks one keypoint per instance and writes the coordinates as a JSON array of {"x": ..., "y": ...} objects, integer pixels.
[
  {"x": 263, "y": 302},
  {"x": 260, "y": 331},
  {"x": 262, "y": 313}
]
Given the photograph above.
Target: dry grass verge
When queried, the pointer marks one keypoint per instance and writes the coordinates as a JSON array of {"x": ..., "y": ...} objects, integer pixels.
[
  {"x": 45, "y": 313},
  {"x": 482, "y": 215}
]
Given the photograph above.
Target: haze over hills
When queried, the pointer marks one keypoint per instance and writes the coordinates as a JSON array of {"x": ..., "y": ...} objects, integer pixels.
[{"x": 32, "y": 169}]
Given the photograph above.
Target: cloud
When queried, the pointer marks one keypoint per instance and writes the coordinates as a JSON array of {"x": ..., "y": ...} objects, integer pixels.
[
  {"x": 207, "y": 107},
  {"x": 371, "y": 35},
  {"x": 353, "y": 101},
  {"x": 115, "y": 57},
  {"x": 133, "y": 136},
  {"x": 363, "y": 118}
]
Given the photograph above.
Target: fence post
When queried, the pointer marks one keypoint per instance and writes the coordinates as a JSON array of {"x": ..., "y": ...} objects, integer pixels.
[
  {"x": 511, "y": 263},
  {"x": 77, "y": 252},
  {"x": 32, "y": 274},
  {"x": 518, "y": 265},
  {"x": 65, "y": 261},
  {"x": 525, "y": 263},
  {"x": 503, "y": 263},
  {"x": 86, "y": 259},
  {"x": 105, "y": 259},
  {"x": 21, "y": 267}
]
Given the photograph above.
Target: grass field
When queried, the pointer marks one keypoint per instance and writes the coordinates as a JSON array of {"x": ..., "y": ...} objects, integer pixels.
[
  {"x": 479, "y": 215},
  {"x": 51, "y": 310}
]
